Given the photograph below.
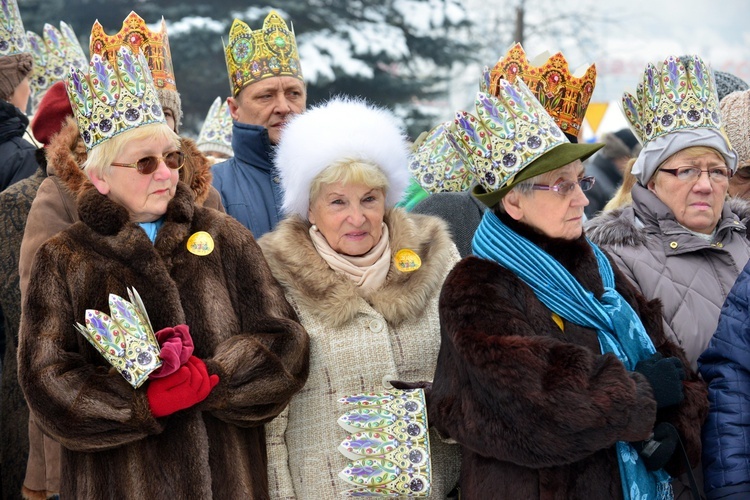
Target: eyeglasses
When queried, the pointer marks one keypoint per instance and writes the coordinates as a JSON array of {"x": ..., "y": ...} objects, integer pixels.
[
  {"x": 148, "y": 165},
  {"x": 692, "y": 174},
  {"x": 565, "y": 188}
]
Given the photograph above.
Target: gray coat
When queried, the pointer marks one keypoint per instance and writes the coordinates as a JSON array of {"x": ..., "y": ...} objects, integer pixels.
[{"x": 690, "y": 275}]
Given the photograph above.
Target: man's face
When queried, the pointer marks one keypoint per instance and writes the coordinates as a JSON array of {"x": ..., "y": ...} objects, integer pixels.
[{"x": 269, "y": 103}]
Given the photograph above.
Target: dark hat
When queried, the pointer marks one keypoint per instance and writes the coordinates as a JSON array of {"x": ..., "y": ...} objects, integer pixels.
[
  {"x": 726, "y": 83},
  {"x": 13, "y": 69}
]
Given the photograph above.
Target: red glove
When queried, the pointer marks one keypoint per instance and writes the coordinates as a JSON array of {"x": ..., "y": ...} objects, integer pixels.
[
  {"x": 188, "y": 386},
  {"x": 176, "y": 347}
]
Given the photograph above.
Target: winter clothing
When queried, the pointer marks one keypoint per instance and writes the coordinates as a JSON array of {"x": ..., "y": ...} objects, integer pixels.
[
  {"x": 725, "y": 366},
  {"x": 726, "y": 83},
  {"x": 355, "y": 345},
  {"x": 16, "y": 154},
  {"x": 13, "y": 69},
  {"x": 170, "y": 99},
  {"x": 249, "y": 183},
  {"x": 690, "y": 275},
  {"x": 461, "y": 211},
  {"x": 535, "y": 405},
  {"x": 51, "y": 113},
  {"x": 735, "y": 114},
  {"x": 241, "y": 326}
]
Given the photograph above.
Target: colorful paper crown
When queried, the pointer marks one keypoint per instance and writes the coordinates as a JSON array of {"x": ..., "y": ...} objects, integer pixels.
[
  {"x": 254, "y": 55},
  {"x": 565, "y": 96},
  {"x": 437, "y": 166},
  {"x": 13, "y": 38},
  {"x": 678, "y": 94},
  {"x": 53, "y": 56},
  {"x": 154, "y": 45},
  {"x": 124, "y": 337},
  {"x": 510, "y": 131},
  {"x": 112, "y": 99},
  {"x": 389, "y": 445},
  {"x": 216, "y": 132}
]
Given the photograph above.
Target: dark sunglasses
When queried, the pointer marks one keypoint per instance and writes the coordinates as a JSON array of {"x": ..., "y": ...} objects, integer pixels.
[{"x": 148, "y": 165}]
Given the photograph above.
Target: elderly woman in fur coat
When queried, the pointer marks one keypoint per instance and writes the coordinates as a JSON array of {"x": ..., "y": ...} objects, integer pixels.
[
  {"x": 554, "y": 375},
  {"x": 232, "y": 349},
  {"x": 343, "y": 167}
]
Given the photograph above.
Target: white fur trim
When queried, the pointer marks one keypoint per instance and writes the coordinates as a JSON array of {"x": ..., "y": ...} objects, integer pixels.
[{"x": 344, "y": 127}]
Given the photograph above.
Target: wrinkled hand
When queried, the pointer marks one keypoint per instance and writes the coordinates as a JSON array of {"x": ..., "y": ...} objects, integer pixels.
[
  {"x": 176, "y": 348},
  {"x": 186, "y": 387},
  {"x": 665, "y": 376},
  {"x": 657, "y": 450}
]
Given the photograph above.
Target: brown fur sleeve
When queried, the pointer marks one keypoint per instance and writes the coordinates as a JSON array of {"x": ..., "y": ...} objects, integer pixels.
[
  {"x": 506, "y": 390},
  {"x": 265, "y": 363}
]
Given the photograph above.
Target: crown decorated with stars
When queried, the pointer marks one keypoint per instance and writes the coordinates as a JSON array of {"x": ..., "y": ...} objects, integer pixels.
[
  {"x": 216, "y": 132},
  {"x": 254, "y": 55},
  {"x": 510, "y": 130},
  {"x": 565, "y": 96},
  {"x": 53, "y": 54},
  {"x": 679, "y": 93},
  {"x": 389, "y": 444},
  {"x": 124, "y": 337},
  {"x": 111, "y": 99},
  {"x": 13, "y": 39},
  {"x": 437, "y": 166},
  {"x": 154, "y": 45}
]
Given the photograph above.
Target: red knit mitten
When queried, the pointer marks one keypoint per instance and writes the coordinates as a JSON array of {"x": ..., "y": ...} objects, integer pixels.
[
  {"x": 176, "y": 347},
  {"x": 186, "y": 387}
]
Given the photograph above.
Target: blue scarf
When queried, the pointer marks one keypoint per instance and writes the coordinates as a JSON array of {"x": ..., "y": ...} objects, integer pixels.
[
  {"x": 618, "y": 327},
  {"x": 152, "y": 228}
]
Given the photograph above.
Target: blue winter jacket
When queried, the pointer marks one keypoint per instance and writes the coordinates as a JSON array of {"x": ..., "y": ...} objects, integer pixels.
[
  {"x": 248, "y": 183},
  {"x": 725, "y": 366}
]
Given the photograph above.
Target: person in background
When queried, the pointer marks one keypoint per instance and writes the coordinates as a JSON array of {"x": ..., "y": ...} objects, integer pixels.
[
  {"x": 215, "y": 138},
  {"x": 264, "y": 98},
  {"x": 554, "y": 374},
  {"x": 364, "y": 278},
  {"x": 735, "y": 114},
  {"x": 608, "y": 167},
  {"x": 622, "y": 196}
]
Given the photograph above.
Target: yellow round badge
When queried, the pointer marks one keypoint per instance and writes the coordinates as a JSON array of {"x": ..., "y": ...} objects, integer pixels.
[
  {"x": 200, "y": 243},
  {"x": 407, "y": 260}
]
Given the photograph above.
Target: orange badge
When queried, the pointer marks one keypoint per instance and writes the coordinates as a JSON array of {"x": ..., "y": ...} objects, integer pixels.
[
  {"x": 200, "y": 243},
  {"x": 407, "y": 260}
]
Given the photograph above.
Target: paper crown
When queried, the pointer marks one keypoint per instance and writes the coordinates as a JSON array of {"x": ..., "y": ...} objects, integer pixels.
[
  {"x": 389, "y": 444},
  {"x": 53, "y": 54},
  {"x": 154, "y": 45},
  {"x": 124, "y": 337},
  {"x": 112, "y": 99},
  {"x": 254, "y": 55},
  {"x": 437, "y": 166},
  {"x": 216, "y": 132},
  {"x": 13, "y": 39},
  {"x": 678, "y": 94},
  {"x": 565, "y": 96}
]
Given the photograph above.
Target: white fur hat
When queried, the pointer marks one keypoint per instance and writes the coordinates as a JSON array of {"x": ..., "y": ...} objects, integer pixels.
[{"x": 344, "y": 127}]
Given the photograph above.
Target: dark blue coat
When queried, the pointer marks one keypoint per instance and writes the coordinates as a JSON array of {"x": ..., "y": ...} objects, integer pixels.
[
  {"x": 725, "y": 366},
  {"x": 248, "y": 183},
  {"x": 17, "y": 159}
]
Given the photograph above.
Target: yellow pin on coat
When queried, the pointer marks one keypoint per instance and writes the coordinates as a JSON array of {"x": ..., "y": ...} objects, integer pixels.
[
  {"x": 200, "y": 243},
  {"x": 407, "y": 260}
]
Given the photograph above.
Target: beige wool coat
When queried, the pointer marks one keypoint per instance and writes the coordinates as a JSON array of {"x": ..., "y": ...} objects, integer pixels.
[{"x": 354, "y": 346}]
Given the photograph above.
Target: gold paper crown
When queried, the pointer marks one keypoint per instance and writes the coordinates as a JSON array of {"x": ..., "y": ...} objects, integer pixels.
[
  {"x": 437, "y": 166},
  {"x": 389, "y": 444},
  {"x": 563, "y": 95},
  {"x": 216, "y": 132},
  {"x": 679, "y": 94},
  {"x": 510, "y": 131},
  {"x": 53, "y": 56},
  {"x": 13, "y": 38},
  {"x": 124, "y": 337},
  {"x": 154, "y": 45},
  {"x": 112, "y": 99},
  {"x": 254, "y": 55}
]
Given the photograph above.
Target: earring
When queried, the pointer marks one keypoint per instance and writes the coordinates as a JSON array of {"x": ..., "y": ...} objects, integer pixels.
[{"x": 314, "y": 227}]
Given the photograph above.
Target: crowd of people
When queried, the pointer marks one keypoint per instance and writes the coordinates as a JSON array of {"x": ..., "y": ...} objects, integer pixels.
[{"x": 571, "y": 317}]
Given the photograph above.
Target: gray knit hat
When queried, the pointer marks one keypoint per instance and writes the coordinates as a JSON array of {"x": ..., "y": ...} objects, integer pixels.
[
  {"x": 735, "y": 114},
  {"x": 170, "y": 99},
  {"x": 726, "y": 83}
]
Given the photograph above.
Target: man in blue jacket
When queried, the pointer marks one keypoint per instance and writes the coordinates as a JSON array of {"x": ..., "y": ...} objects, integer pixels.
[{"x": 267, "y": 91}]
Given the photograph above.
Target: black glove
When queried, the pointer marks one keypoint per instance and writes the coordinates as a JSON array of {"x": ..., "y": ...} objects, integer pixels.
[
  {"x": 659, "y": 448},
  {"x": 401, "y": 385},
  {"x": 665, "y": 376}
]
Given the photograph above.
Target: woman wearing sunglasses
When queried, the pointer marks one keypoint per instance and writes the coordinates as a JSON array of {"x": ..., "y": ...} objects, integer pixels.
[{"x": 232, "y": 350}]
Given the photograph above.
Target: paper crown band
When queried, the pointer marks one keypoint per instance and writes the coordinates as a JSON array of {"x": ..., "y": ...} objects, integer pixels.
[
  {"x": 54, "y": 54},
  {"x": 436, "y": 165},
  {"x": 216, "y": 132},
  {"x": 252, "y": 56},
  {"x": 13, "y": 39}
]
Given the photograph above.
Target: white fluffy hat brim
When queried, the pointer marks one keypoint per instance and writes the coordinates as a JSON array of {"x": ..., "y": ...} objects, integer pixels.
[{"x": 342, "y": 128}]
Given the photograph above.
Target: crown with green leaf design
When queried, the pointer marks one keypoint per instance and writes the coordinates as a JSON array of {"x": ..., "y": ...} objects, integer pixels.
[
  {"x": 109, "y": 100},
  {"x": 679, "y": 93},
  {"x": 389, "y": 446},
  {"x": 13, "y": 39},
  {"x": 124, "y": 337}
]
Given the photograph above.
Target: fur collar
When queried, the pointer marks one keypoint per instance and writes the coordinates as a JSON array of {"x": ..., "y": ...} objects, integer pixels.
[
  {"x": 333, "y": 297},
  {"x": 66, "y": 153}
]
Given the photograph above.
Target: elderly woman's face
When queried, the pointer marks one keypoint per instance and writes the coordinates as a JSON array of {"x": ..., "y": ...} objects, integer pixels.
[
  {"x": 695, "y": 203},
  {"x": 349, "y": 216},
  {"x": 144, "y": 196},
  {"x": 555, "y": 214}
]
